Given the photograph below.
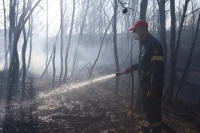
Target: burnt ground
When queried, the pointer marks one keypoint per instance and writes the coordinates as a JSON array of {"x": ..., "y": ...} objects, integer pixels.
[{"x": 92, "y": 108}]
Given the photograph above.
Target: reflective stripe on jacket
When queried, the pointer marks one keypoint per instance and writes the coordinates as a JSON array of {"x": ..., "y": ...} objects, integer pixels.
[{"x": 151, "y": 67}]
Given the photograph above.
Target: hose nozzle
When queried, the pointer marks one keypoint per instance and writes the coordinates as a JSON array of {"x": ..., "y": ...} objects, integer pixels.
[{"x": 120, "y": 73}]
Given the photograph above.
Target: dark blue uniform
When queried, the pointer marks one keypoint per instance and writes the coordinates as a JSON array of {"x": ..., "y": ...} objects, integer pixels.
[{"x": 151, "y": 74}]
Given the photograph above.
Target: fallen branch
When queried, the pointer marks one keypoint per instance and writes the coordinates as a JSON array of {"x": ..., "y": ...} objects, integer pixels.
[{"x": 11, "y": 96}]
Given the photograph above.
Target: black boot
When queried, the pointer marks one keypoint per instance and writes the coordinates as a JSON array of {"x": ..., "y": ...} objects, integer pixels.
[
  {"x": 145, "y": 129},
  {"x": 157, "y": 129}
]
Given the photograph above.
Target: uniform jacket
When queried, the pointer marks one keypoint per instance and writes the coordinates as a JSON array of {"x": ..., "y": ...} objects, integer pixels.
[{"x": 151, "y": 65}]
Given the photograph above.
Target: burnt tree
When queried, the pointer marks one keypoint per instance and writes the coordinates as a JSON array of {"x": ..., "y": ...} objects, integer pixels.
[
  {"x": 61, "y": 37},
  {"x": 5, "y": 36},
  {"x": 79, "y": 39},
  {"x": 115, "y": 46},
  {"x": 189, "y": 58},
  {"x": 174, "y": 49},
  {"x": 161, "y": 5},
  {"x": 69, "y": 43},
  {"x": 143, "y": 9}
]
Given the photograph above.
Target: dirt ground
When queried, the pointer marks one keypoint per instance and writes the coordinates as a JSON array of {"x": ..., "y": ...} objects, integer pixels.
[{"x": 93, "y": 108}]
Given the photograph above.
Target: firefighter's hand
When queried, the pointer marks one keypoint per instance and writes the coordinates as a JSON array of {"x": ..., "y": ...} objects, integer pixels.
[
  {"x": 151, "y": 95},
  {"x": 128, "y": 70}
]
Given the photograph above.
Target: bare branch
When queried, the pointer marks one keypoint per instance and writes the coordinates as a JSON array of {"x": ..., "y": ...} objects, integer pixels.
[
  {"x": 192, "y": 12},
  {"x": 127, "y": 7}
]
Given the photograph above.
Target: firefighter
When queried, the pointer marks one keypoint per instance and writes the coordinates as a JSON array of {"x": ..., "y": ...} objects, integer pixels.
[{"x": 151, "y": 73}]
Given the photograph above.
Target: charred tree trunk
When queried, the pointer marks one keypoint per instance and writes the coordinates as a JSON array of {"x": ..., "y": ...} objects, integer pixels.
[
  {"x": 27, "y": 38},
  {"x": 180, "y": 29},
  {"x": 15, "y": 60},
  {"x": 11, "y": 70},
  {"x": 5, "y": 36},
  {"x": 69, "y": 43},
  {"x": 47, "y": 27},
  {"x": 154, "y": 19},
  {"x": 162, "y": 32},
  {"x": 76, "y": 66},
  {"x": 137, "y": 104},
  {"x": 24, "y": 64},
  {"x": 158, "y": 26},
  {"x": 61, "y": 37},
  {"x": 31, "y": 32},
  {"x": 54, "y": 68},
  {"x": 22, "y": 115},
  {"x": 143, "y": 9},
  {"x": 161, "y": 4},
  {"x": 12, "y": 25},
  {"x": 192, "y": 38},
  {"x": 12, "y": 66},
  {"x": 115, "y": 47},
  {"x": 174, "y": 50},
  {"x": 79, "y": 39},
  {"x": 17, "y": 12},
  {"x": 189, "y": 58},
  {"x": 127, "y": 32},
  {"x": 100, "y": 22}
]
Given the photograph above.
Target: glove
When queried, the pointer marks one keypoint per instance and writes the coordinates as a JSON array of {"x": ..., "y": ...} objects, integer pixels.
[
  {"x": 125, "y": 71},
  {"x": 151, "y": 95},
  {"x": 119, "y": 73},
  {"x": 128, "y": 70}
]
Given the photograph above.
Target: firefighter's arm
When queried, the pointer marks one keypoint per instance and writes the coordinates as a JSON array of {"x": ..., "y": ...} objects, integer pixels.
[
  {"x": 131, "y": 68},
  {"x": 157, "y": 65},
  {"x": 128, "y": 70}
]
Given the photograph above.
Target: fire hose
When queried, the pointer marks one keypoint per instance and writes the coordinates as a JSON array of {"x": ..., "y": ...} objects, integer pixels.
[{"x": 132, "y": 93}]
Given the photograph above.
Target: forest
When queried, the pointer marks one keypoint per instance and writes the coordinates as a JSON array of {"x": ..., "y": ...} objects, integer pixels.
[{"x": 59, "y": 59}]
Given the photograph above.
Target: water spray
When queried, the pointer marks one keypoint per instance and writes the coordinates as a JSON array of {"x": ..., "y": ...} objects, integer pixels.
[
  {"x": 60, "y": 90},
  {"x": 65, "y": 88}
]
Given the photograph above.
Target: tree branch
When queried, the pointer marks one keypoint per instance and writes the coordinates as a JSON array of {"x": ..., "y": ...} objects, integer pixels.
[
  {"x": 127, "y": 7},
  {"x": 192, "y": 12}
]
